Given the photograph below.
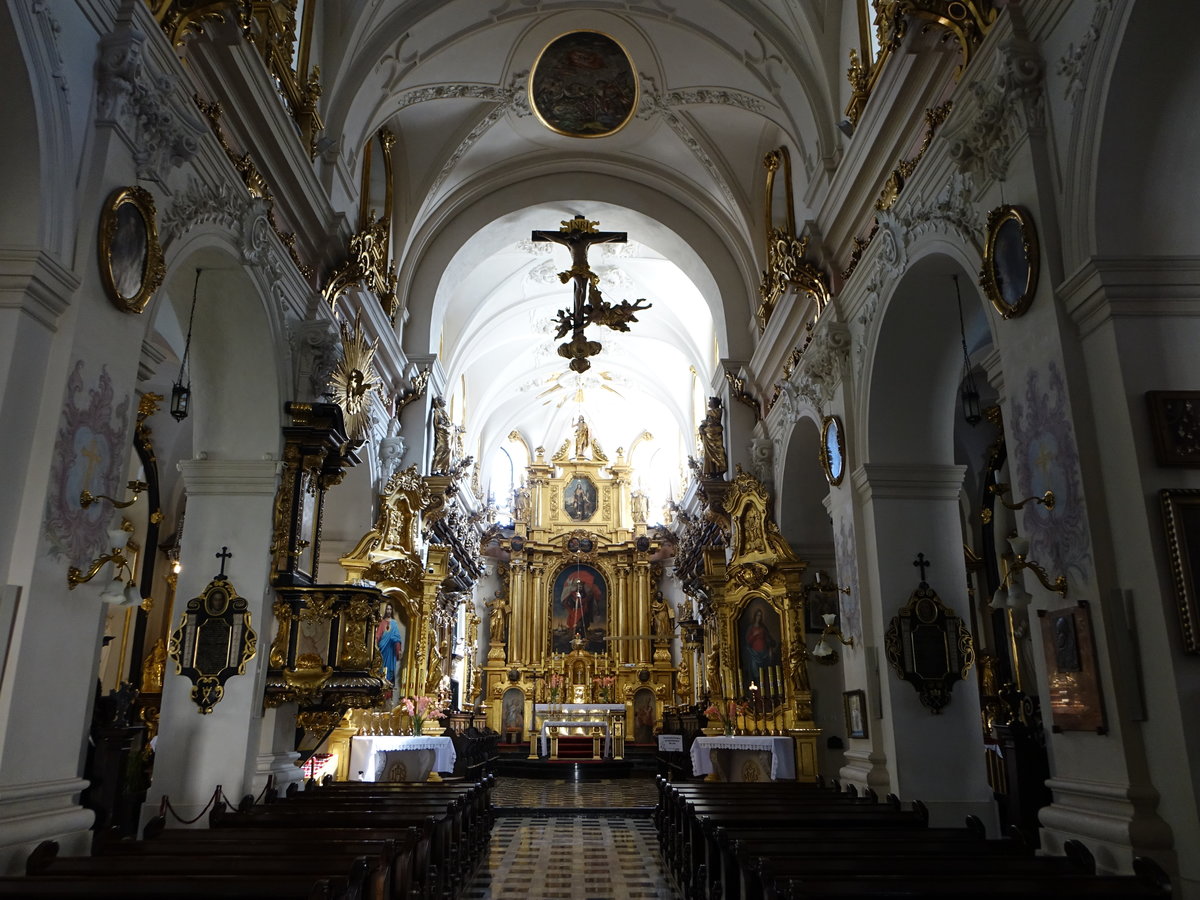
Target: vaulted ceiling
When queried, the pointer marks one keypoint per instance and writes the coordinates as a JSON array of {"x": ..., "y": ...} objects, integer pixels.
[{"x": 721, "y": 83}]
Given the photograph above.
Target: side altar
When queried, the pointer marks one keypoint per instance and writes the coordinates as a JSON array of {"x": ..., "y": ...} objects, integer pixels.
[{"x": 579, "y": 625}]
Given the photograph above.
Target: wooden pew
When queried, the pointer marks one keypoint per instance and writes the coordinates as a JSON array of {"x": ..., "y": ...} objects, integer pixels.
[{"x": 399, "y": 849}]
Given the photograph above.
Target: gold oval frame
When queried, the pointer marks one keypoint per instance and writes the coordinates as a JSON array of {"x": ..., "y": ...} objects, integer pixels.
[
  {"x": 637, "y": 87},
  {"x": 826, "y": 462},
  {"x": 989, "y": 276},
  {"x": 154, "y": 268}
]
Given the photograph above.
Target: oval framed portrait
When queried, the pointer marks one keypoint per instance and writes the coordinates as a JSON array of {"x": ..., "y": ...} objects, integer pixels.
[
  {"x": 833, "y": 450},
  {"x": 583, "y": 85},
  {"x": 1010, "y": 261},
  {"x": 131, "y": 260}
]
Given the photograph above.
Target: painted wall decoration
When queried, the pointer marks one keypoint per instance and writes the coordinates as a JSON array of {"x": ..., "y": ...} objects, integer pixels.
[
  {"x": 579, "y": 608},
  {"x": 1045, "y": 456},
  {"x": 583, "y": 85},
  {"x": 758, "y": 642},
  {"x": 579, "y": 498},
  {"x": 847, "y": 569},
  {"x": 91, "y": 452}
]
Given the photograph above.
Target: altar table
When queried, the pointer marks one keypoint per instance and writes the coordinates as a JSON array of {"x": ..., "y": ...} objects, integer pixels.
[
  {"x": 365, "y": 752},
  {"x": 572, "y": 723},
  {"x": 733, "y": 752}
]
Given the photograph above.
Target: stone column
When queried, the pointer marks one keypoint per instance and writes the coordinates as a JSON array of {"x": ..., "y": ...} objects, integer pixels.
[
  {"x": 911, "y": 509},
  {"x": 238, "y": 744}
]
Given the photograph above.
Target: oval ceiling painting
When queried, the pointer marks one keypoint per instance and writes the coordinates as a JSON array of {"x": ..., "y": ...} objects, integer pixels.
[{"x": 583, "y": 85}]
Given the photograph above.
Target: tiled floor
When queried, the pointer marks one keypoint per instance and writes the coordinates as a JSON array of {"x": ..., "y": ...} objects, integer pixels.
[
  {"x": 572, "y": 857},
  {"x": 539, "y": 794}
]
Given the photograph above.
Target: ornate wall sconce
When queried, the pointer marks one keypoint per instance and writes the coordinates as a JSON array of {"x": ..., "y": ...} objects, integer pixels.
[
  {"x": 123, "y": 589},
  {"x": 1000, "y": 489},
  {"x": 87, "y": 498},
  {"x": 823, "y": 652},
  {"x": 1011, "y": 592}
]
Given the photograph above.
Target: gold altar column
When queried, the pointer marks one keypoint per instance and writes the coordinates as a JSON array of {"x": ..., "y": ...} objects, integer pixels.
[
  {"x": 641, "y": 589},
  {"x": 519, "y": 600},
  {"x": 535, "y": 628},
  {"x": 622, "y": 624}
]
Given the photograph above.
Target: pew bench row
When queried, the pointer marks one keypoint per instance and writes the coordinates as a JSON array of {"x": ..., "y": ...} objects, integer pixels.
[
  {"x": 339, "y": 842},
  {"x": 789, "y": 841}
]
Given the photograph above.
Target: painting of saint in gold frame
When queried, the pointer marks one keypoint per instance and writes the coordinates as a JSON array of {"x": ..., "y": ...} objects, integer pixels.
[
  {"x": 131, "y": 260},
  {"x": 579, "y": 610},
  {"x": 580, "y": 499},
  {"x": 759, "y": 645},
  {"x": 391, "y": 639}
]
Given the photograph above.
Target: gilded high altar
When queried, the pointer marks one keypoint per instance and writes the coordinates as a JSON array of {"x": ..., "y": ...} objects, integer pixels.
[{"x": 579, "y": 575}]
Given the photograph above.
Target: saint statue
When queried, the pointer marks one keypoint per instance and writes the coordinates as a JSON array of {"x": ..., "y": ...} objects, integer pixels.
[
  {"x": 443, "y": 430},
  {"x": 712, "y": 440},
  {"x": 583, "y": 438},
  {"x": 499, "y": 620},
  {"x": 661, "y": 625},
  {"x": 521, "y": 501},
  {"x": 640, "y": 506}
]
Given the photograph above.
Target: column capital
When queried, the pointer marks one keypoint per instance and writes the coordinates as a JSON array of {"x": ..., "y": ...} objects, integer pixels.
[
  {"x": 230, "y": 476},
  {"x": 908, "y": 482}
]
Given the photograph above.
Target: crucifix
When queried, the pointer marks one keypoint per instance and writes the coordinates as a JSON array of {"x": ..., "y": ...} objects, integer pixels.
[
  {"x": 922, "y": 563},
  {"x": 222, "y": 556},
  {"x": 577, "y": 235}
]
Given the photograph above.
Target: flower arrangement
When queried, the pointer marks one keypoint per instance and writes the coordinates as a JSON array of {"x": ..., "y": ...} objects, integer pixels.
[
  {"x": 604, "y": 685},
  {"x": 727, "y": 714},
  {"x": 421, "y": 708},
  {"x": 556, "y": 685}
]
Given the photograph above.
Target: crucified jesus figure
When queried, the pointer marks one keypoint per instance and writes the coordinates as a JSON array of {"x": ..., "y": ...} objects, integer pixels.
[{"x": 577, "y": 235}]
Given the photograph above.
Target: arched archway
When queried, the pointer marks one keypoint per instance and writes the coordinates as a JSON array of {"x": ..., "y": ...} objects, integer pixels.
[{"x": 910, "y": 487}]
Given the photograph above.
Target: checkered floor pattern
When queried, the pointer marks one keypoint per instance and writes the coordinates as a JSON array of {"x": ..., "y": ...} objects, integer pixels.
[
  {"x": 545, "y": 794},
  {"x": 572, "y": 857}
]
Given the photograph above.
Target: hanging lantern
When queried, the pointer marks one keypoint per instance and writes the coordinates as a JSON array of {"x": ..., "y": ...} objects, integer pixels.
[{"x": 181, "y": 392}]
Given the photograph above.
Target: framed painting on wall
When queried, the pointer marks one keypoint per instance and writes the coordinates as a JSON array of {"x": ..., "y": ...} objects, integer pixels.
[
  {"x": 1070, "y": 651},
  {"x": 856, "y": 713},
  {"x": 579, "y": 610}
]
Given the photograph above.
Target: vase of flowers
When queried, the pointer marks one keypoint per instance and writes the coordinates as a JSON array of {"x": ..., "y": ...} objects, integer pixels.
[
  {"x": 420, "y": 710},
  {"x": 725, "y": 714}
]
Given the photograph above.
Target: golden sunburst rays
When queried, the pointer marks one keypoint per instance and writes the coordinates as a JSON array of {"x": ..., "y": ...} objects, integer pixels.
[
  {"x": 568, "y": 387},
  {"x": 353, "y": 379}
]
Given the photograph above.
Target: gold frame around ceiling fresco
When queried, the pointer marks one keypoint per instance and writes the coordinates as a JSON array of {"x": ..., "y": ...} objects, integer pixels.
[{"x": 560, "y": 125}]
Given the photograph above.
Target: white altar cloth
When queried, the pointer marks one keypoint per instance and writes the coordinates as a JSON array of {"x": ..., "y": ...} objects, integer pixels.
[
  {"x": 783, "y": 760},
  {"x": 586, "y": 726},
  {"x": 364, "y": 748},
  {"x": 569, "y": 710}
]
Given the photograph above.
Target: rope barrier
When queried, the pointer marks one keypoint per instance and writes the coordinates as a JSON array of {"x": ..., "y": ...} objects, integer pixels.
[
  {"x": 165, "y": 807},
  {"x": 266, "y": 787}
]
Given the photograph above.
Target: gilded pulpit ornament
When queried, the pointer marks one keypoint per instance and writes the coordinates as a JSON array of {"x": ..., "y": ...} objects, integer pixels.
[
  {"x": 353, "y": 379},
  {"x": 590, "y": 307},
  {"x": 214, "y": 640},
  {"x": 786, "y": 265}
]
